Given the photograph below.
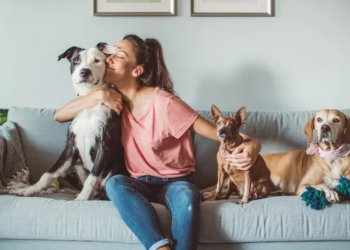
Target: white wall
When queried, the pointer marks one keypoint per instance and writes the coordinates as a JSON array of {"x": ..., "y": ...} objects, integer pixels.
[{"x": 297, "y": 60}]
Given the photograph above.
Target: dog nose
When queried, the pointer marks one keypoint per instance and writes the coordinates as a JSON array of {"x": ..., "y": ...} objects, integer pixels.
[
  {"x": 221, "y": 131},
  {"x": 85, "y": 72},
  {"x": 325, "y": 128}
]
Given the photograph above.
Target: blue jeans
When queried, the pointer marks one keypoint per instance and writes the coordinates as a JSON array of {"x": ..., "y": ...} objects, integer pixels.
[{"x": 132, "y": 197}]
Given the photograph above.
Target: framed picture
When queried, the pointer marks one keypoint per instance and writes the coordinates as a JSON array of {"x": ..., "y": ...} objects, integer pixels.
[
  {"x": 260, "y": 8},
  {"x": 134, "y": 7}
]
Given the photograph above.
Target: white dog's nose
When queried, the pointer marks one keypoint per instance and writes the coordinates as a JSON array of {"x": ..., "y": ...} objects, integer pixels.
[{"x": 85, "y": 72}]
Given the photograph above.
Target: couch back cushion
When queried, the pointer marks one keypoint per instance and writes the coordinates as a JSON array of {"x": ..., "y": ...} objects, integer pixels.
[{"x": 44, "y": 139}]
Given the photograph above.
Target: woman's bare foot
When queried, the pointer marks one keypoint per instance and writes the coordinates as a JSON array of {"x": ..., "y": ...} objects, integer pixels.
[{"x": 164, "y": 248}]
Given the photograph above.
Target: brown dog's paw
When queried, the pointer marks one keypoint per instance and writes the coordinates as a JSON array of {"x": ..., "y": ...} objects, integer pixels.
[
  {"x": 242, "y": 202},
  {"x": 215, "y": 198},
  {"x": 207, "y": 196}
]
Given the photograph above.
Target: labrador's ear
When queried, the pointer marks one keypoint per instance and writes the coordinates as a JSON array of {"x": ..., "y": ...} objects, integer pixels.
[
  {"x": 309, "y": 128},
  {"x": 215, "y": 113},
  {"x": 347, "y": 130},
  {"x": 241, "y": 116},
  {"x": 69, "y": 53}
]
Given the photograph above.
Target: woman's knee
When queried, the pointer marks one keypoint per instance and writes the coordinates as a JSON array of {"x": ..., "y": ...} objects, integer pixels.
[
  {"x": 192, "y": 199},
  {"x": 187, "y": 195}
]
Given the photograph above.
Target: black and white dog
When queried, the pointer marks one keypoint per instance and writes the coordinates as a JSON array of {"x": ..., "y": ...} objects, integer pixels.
[{"x": 93, "y": 152}]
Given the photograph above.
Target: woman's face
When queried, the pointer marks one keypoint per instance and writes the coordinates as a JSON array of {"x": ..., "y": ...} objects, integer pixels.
[{"x": 121, "y": 65}]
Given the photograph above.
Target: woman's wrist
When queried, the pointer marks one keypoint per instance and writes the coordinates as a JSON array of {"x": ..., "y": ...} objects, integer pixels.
[
  {"x": 256, "y": 145},
  {"x": 100, "y": 97}
]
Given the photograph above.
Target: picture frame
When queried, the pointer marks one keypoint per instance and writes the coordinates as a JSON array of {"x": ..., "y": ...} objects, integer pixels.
[
  {"x": 233, "y": 8},
  {"x": 135, "y": 7}
]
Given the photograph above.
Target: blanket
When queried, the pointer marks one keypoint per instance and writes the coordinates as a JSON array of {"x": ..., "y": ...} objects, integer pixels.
[{"x": 14, "y": 173}]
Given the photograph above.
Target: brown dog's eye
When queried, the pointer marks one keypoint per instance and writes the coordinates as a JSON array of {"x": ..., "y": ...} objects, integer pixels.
[
  {"x": 336, "y": 120},
  {"x": 219, "y": 123},
  {"x": 319, "y": 119},
  {"x": 230, "y": 125}
]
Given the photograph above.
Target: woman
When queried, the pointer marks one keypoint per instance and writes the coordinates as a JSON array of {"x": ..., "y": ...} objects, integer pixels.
[{"x": 156, "y": 137}]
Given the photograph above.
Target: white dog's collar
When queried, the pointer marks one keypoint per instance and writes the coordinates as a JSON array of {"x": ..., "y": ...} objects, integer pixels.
[{"x": 89, "y": 93}]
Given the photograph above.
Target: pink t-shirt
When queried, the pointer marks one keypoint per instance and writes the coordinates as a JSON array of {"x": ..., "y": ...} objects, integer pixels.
[{"x": 159, "y": 143}]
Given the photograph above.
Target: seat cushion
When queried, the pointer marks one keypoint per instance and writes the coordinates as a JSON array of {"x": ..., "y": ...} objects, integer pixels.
[
  {"x": 58, "y": 217},
  {"x": 284, "y": 218}
]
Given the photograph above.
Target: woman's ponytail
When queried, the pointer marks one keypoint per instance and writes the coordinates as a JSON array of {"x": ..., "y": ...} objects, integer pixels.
[{"x": 149, "y": 53}]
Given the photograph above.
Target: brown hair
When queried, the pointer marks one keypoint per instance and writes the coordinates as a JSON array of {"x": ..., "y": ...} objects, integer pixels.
[{"x": 149, "y": 53}]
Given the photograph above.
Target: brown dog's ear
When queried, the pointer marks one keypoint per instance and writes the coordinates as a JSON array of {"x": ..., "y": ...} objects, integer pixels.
[
  {"x": 347, "y": 130},
  {"x": 215, "y": 113},
  {"x": 309, "y": 128},
  {"x": 241, "y": 116}
]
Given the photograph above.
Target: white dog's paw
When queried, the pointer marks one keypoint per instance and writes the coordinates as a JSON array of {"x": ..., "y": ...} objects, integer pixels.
[
  {"x": 332, "y": 196},
  {"x": 80, "y": 197},
  {"x": 25, "y": 192}
]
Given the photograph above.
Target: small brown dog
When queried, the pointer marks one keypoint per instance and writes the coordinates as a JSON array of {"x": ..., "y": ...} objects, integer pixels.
[{"x": 251, "y": 184}]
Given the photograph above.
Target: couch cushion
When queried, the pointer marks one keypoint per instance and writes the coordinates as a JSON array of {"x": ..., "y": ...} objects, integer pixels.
[
  {"x": 272, "y": 219},
  {"x": 43, "y": 139},
  {"x": 277, "y": 132},
  {"x": 58, "y": 217}
]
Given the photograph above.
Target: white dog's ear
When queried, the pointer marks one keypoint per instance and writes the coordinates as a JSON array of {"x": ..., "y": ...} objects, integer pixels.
[
  {"x": 241, "y": 116},
  {"x": 347, "y": 130},
  {"x": 69, "y": 53},
  {"x": 101, "y": 45},
  {"x": 309, "y": 128},
  {"x": 215, "y": 113},
  {"x": 106, "y": 49}
]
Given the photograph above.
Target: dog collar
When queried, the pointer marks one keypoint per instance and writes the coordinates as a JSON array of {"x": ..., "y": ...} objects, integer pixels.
[
  {"x": 337, "y": 154},
  {"x": 96, "y": 90}
]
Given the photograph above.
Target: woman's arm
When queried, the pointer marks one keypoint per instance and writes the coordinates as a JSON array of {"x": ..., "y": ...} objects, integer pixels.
[
  {"x": 244, "y": 155},
  {"x": 205, "y": 128},
  {"x": 108, "y": 97}
]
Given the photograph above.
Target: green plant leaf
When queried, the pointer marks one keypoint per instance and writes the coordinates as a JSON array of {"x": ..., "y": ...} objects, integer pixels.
[{"x": 3, "y": 116}]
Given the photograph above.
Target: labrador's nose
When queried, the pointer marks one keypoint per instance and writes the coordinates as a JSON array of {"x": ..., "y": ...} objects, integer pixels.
[{"x": 325, "y": 128}]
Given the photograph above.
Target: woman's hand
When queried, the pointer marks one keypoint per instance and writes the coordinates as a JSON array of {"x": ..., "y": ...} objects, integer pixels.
[
  {"x": 112, "y": 99},
  {"x": 108, "y": 97},
  {"x": 245, "y": 155}
]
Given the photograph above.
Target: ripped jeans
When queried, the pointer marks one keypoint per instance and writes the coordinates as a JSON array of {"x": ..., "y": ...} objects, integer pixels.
[{"x": 132, "y": 197}]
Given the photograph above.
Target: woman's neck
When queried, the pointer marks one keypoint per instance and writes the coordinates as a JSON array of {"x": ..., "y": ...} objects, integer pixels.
[
  {"x": 132, "y": 94},
  {"x": 129, "y": 91}
]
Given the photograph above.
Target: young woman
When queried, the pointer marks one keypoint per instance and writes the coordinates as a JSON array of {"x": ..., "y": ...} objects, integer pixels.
[{"x": 156, "y": 137}]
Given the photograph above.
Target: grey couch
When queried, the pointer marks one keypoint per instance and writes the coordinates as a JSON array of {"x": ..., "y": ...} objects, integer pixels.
[{"x": 57, "y": 222}]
